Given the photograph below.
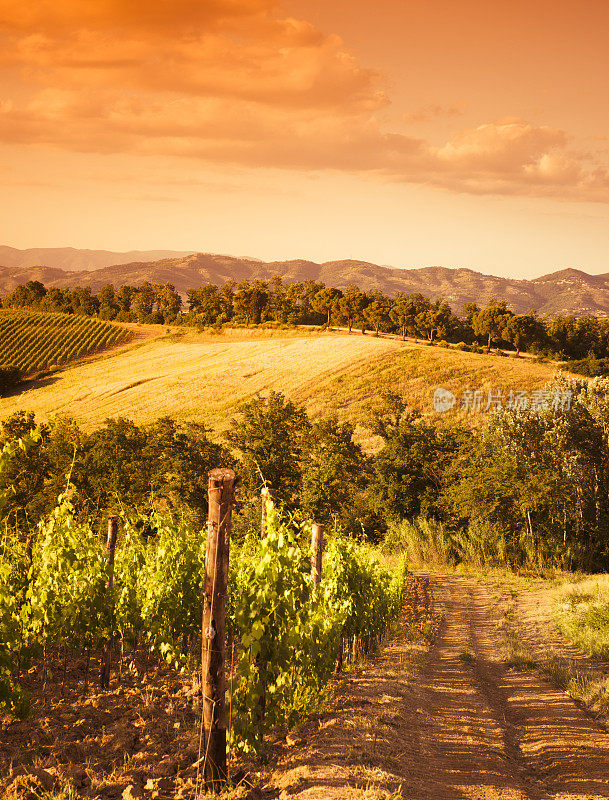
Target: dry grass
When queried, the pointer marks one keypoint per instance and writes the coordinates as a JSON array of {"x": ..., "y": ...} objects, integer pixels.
[
  {"x": 575, "y": 612},
  {"x": 196, "y": 376},
  {"x": 581, "y": 613}
]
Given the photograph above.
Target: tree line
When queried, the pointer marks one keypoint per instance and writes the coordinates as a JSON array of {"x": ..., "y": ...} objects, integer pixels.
[
  {"x": 528, "y": 487},
  {"x": 300, "y": 303}
]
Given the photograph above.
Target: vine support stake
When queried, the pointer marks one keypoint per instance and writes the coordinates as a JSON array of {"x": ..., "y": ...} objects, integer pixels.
[
  {"x": 267, "y": 495},
  {"x": 222, "y": 484},
  {"x": 317, "y": 550},
  {"x": 104, "y": 678}
]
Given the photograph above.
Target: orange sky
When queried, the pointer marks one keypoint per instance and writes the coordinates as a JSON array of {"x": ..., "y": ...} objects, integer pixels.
[{"x": 456, "y": 133}]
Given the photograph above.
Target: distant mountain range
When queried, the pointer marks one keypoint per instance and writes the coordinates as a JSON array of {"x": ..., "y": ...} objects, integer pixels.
[
  {"x": 71, "y": 258},
  {"x": 569, "y": 291}
]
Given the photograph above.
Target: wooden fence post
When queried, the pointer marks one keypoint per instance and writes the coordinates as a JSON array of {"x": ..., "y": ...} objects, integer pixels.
[
  {"x": 222, "y": 483},
  {"x": 259, "y": 713},
  {"x": 317, "y": 549},
  {"x": 104, "y": 678},
  {"x": 266, "y": 494}
]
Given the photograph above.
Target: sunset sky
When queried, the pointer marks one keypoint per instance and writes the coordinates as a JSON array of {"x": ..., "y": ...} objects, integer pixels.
[{"x": 458, "y": 133}]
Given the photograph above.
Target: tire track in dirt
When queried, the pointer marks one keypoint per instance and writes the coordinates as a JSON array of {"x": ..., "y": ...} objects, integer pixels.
[{"x": 455, "y": 725}]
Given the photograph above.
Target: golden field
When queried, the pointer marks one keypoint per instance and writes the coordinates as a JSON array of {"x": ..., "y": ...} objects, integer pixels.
[{"x": 198, "y": 376}]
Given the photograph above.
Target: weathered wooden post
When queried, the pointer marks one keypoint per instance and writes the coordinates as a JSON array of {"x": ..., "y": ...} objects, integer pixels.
[
  {"x": 266, "y": 494},
  {"x": 317, "y": 550},
  {"x": 104, "y": 678},
  {"x": 222, "y": 484}
]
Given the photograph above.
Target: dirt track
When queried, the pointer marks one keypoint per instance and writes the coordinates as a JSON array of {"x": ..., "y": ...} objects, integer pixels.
[{"x": 455, "y": 724}]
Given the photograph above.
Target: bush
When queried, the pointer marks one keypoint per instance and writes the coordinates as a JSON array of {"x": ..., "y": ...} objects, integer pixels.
[
  {"x": 591, "y": 366},
  {"x": 422, "y": 541},
  {"x": 463, "y": 346},
  {"x": 442, "y": 343},
  {"x": 10, "y": 377}
]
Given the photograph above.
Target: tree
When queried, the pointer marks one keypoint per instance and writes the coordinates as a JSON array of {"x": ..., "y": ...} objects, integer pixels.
[
  {"x": 521, "y": 330},
  {"x": 404, "y": 312},
  {"x": 205, "y": 303},
  {"x": 433, "y": 320},
  {"x": 409, "y": 469},
  {"x": 350, "y": 306},
  {"x": 325, "y": 300},
  {"x": 377, "y": 312},
  {"x": 250, "y": 301},
  {"x": 124, "y": 298},
  {"x": 23, "y": 478},
  {"x": 293, "y": 293},
  {"x": 333, "y": 470},
  {"x": 227, "y": 301},
  {"x": 491, "y": 321},
  {"x": 108, "y": 307},
  {"x": 268, "y": 433},
  {"x": 168, "y": 302},
  {"x": 57, "y": 300},
  {"x": 83, "y": 302},
  {"x": 144, "y": 301}
]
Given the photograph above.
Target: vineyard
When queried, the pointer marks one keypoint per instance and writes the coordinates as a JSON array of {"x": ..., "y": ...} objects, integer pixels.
[
  {"x": 66, "y": 599},
  {"x": 36, "y": 341}
]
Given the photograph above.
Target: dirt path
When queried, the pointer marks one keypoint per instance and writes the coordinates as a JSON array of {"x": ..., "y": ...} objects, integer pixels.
[{"x": 455, "y": 725}]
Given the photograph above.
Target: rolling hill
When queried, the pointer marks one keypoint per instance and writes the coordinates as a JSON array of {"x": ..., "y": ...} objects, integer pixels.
[
  {"x": 202, "y": 377},
  {"x": 72, "y": 258},
  {"x": 568, "y": 291}
]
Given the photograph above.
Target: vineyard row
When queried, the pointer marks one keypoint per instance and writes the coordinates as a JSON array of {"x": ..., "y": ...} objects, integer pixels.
[
  {"x": 286, "y": 621},
  {"x": 33, "y": 342}
]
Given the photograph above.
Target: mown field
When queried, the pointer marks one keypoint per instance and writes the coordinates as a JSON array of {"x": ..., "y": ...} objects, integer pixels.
[
  {"x": 203, "y": 377},
  {"x": 36, "y": 341}
]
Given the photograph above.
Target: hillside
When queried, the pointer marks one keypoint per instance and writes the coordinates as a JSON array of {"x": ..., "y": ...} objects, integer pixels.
[
  {"x": 36, "y": 341},
  {"x": 72, "y": 258},
  {"x": 567, "y": 291},
  {"x": 197, "y": 377}
]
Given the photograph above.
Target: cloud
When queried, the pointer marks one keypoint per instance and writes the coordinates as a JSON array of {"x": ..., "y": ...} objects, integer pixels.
[
  {"x": 225, "y": 48},
  {"x": 432, "y": 111},
  {"x": 231, "y": 82},
  {"x": 513, "y": 156}
]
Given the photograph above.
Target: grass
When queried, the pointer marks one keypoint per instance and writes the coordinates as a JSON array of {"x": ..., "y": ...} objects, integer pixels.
[
  {"x": 203, "y": 376},
  {"x": 590, "y": 687},
  {"x": 581, "y": 613}
]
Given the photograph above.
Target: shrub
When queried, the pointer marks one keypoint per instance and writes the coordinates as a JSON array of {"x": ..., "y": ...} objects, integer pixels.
[{"x": 10, "y": 377}]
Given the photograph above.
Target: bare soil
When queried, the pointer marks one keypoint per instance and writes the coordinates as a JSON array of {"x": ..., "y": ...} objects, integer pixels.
[{"x": 436, "y": 715}]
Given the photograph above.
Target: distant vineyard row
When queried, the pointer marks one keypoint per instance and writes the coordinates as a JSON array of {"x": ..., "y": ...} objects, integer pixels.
[{"x": 37, "y": 341}]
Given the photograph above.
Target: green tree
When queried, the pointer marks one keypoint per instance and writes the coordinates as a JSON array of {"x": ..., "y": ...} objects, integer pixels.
[
  {"x": 108, "y": 307},
  {"x": 435, "y": 319},
  {"x": 408, "y": 471},
  {"x": 268, "y": 434},
  {"x": 250, "y": 301},
  {"x": 325, "y": 300},
  {"x": 404, "y": 313},
  {"x": 377, "y": 312},
  {"x": 205, "y": 303},
  {"x": 334, "y": 469},
  {"x": 491, "y": 321},
  {"x": 522, "y": 330},
  {"x": 124, "y": 298},
  {"x": 168, "y": 302},
  {"x": 350, "y": 306}
]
